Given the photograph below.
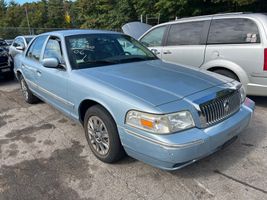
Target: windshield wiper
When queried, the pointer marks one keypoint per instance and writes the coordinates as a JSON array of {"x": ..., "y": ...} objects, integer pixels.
[
  {"x": 137, "y": 59},
  {"x": 101, "y": 62}
]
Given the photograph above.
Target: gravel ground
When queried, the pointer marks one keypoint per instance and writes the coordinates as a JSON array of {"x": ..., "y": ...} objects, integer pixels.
[{"x": 44, "y": 155}]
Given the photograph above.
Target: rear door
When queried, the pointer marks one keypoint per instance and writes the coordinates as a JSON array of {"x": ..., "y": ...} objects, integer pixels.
[
  {"x": 185, "y": 43},
  {"x": 31, "y": 61},
  {"x": 154, "y": 39},
  {"x": 237, "y": 40}
]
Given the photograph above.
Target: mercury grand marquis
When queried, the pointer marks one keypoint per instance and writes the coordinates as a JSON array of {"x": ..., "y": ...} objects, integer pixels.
[{"x": 129, "y": 101}]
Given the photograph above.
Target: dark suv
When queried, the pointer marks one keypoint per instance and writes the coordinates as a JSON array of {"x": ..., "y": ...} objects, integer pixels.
[{"x": 5, "y": 70}]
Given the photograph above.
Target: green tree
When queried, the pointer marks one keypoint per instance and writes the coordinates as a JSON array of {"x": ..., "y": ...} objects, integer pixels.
[{"x": 55, "y": 14}]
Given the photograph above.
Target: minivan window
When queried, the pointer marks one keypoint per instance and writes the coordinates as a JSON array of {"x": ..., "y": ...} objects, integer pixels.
[
  {"x": 154, "y": 37},
  {"x": 35, "y": 49},
  {"x": 188, "y": 33},
  {"x": 233, "y": 31}
]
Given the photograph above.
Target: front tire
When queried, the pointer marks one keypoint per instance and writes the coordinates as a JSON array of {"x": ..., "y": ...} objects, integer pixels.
[
  {"x": 102, "y": 135},
  {"x": 27, "y": 94}
]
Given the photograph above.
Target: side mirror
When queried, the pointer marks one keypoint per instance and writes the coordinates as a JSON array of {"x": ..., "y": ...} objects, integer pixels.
[
  {"x": 20, "y": 48},
  {"x": 50, "y": 62}
]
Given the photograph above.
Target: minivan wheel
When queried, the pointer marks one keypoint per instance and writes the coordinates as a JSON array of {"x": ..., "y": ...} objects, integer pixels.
[
  {"x": 227, "y": 73},
  {"x": 27, "y": 94},
  {"x": 102, "y": 135}
]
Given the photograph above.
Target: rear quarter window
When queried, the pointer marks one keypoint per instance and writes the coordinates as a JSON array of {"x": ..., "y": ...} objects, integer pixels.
[{"x": 233, "y": 31}]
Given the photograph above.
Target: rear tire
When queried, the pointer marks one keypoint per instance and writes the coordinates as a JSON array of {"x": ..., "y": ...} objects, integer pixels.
[
  {"x": 27, "y": 94},
  {"x": 227, "y": 73},
  {"x": 102, "y": 135}
]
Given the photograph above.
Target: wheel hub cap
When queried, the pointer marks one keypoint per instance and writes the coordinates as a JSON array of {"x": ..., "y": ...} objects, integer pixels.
[{"x": 98, "y": 135}]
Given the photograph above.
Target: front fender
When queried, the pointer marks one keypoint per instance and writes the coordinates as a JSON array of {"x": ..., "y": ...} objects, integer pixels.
[{"x": 99, "y": 101}]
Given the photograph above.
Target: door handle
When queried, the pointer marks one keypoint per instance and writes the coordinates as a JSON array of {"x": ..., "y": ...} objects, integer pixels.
[
  {"x": 155, "y": 51},
  {"x": 167, "y": 52},
  {"x": 38, "y": 73}
]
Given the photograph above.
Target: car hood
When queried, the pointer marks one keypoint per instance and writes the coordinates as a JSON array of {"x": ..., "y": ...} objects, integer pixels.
[
  {"x": 155, "y": 82},
  {"x": 135, "y": 29}
]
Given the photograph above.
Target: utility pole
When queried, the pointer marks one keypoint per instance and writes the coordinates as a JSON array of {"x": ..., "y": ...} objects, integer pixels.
[{"x": 26, "y": 12}]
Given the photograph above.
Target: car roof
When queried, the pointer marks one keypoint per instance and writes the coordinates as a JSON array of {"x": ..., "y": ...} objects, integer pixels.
[
  {"x": 65, "y": 33},
  {"x": 25, "y": 36},
  {"x": 207, "y": 17},
  {"x": 28, "y": 36}
]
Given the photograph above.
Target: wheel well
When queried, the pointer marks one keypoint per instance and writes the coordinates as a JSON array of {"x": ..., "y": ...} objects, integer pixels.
[
  {"x": 84, "y": 107},
  {"x": 19, "y": 74},
  {"x": 223, "y": 68}
]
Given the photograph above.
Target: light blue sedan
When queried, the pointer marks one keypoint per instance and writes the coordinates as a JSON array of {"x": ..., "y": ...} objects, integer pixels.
[{"x": 129, "y": 101}]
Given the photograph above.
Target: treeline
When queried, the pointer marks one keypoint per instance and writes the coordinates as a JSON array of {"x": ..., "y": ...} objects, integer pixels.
[{"x": 45, "y": 15}]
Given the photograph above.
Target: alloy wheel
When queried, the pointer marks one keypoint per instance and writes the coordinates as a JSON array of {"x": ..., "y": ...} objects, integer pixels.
[{"x": 98, "y": 135}]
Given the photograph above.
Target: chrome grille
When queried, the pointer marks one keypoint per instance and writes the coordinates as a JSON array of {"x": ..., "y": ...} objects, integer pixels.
[{"x": 220, "y": 108}]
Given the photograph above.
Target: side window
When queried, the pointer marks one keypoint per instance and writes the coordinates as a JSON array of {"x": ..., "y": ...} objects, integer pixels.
[
  {"x": 154, "y": 37},
  {"x": 16, "y": 42},
  {"x": 233, "y": 31},
  {"x": 53, "y": 49},
  {"x": 21, "y": 42},
  {"x": 188, "y": 33},
  {"x": 28, "y": 39},
  {"x": 35, "y": 49}
]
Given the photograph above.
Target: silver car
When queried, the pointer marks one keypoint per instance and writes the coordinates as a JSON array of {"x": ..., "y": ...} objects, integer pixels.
[
  {"x": 18, "y": 46},
  {"x": 234, "y": 45}
]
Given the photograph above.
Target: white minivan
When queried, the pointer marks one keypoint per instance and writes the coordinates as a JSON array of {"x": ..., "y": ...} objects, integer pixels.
[{"x": 233, "y": 44}]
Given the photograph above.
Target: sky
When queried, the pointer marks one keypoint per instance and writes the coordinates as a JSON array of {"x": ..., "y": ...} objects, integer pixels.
[{"x": 23, "y": 1}]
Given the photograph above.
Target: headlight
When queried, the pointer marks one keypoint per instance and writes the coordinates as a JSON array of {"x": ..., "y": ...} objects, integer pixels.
[
  {"x": 160, "y": 124},
  {"x": 243, "y": 94}
]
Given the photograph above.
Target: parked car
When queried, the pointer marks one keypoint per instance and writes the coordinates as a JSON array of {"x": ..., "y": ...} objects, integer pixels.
[
  {"x": 130, "y": 101},
  {"x": 5, "y": 70},
  {"x": 234, "y": 45},
  {"x": 9, "y": 42},
  {"x": 19, "y": 44}
]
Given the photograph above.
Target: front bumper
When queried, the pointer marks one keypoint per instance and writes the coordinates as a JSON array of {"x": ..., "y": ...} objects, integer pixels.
[{"x": 174, "y": 151}]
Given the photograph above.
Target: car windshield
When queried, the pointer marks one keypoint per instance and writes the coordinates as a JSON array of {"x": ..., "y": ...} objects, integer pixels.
[{"x": 94, "y": 50}]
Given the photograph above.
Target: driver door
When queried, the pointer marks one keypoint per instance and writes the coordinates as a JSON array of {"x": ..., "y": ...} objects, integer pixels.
[{"x": 53, "y": 82}]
